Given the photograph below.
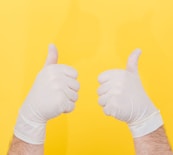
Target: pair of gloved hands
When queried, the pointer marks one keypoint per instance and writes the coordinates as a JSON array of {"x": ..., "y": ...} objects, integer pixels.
[{"x": 55, "y": 91}]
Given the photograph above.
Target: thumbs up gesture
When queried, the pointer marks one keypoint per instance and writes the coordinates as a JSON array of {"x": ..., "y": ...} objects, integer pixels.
[
  {"x": 54, "y": 92},
  {"x": 122, "y": 96}
]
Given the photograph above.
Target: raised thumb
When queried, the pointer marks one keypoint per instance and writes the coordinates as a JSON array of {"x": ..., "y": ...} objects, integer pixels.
[
  {"x": 52, "y": 57},
  {"x": 132, "y": 65}
]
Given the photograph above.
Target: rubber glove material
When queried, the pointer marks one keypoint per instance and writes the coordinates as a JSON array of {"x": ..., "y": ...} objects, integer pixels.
[
  {"x": 54, "y": 92},
  {"x": 122, "y": 96}
]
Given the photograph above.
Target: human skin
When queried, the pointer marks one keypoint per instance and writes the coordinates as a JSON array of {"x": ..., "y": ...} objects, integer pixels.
[
  {"x": 19, "y": 147},
  {"x": 153, "y": 143}
]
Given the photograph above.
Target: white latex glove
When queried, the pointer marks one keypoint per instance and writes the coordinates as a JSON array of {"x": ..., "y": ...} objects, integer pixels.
[
  {"x": 123, "y": 97},
  {"x": 54, "y": 92}
]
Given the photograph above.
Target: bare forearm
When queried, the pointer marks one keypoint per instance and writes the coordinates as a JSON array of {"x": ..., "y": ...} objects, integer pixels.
[
  {"x": 19, "y": 147},
  {"x": 154, "y": 143}
]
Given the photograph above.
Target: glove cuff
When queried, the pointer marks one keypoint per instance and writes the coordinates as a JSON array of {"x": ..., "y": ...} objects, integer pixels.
[
  {"x": 150, "y": 124},
  {"x": 28, "y": 131}
]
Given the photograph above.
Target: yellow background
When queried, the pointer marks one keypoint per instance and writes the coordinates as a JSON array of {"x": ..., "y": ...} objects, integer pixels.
[{"x": 92, "y": 36}]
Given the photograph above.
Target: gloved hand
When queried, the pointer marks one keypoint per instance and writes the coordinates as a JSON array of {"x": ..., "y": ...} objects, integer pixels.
[
  {"x": 54, "y": 92},
  {"x": 123, "y": 97}
]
